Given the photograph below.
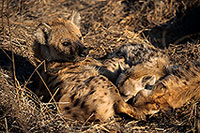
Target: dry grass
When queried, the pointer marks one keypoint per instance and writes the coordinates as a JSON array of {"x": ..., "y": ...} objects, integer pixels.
[{"x": 106, "y": 25}]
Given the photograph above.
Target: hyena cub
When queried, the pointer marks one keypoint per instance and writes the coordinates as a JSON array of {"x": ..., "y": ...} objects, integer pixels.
[
  {"x": 142, "y": 76},
  {"x": 81, "y": 91},
  {"x": 147, "y": 65},
  {"x": 172, "y": 91}
]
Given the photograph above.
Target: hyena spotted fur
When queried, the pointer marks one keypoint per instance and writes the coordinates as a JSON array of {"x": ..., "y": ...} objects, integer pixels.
[
  {"x": 113, "y": 67},
  {"x": 142, "y": 76},
  {"x": 82, "y": 92},
  {"x": 134, "y": 53},
  {"x": 143, "y": 65},
  {"x": 171, "y": 91}
]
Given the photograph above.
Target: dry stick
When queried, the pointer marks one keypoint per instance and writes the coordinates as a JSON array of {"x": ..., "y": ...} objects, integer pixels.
[
  {"x": 54, "y": 95},
  {"x": 185, "y": 37},
  {"x": 87, "y": 120},
  {"x": 49, "y": 93},
  {"x": 6, "y": 54},
  {"x": 6, "y": 123},
  {"x": 13, "y": 60},
  {"x": 48, "y": 90},
  {"x": 2, "y": 20},
  {"x": 32, "y": 74}
]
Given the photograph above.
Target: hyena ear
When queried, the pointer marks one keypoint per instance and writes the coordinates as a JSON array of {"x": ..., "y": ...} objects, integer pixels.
[
  {"x": 151, "y": 80},
  {"x": 75, "y": 18},
  {"x": 121, "y": 68},
  {"x": 42, "y": 32}
]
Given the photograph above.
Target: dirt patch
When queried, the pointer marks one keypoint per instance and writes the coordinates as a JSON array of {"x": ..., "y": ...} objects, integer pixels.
[{"x": 105, "y": 25}]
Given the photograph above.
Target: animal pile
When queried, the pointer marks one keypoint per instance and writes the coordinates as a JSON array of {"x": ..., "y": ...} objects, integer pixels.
[{"x": 136, "y": 79}]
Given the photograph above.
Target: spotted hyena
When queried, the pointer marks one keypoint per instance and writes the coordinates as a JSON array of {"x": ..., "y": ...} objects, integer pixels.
[
  {"x": 134, "y": 53},
  {"x": 60, "y": 40},
  {"x": 81, "y": 91},
  {"x": 171, "y": 91},
  {"x": 142, "y": 75}
]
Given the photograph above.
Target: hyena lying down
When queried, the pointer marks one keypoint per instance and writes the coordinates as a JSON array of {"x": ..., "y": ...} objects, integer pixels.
[
  {"x": 82, "y": 93},
  {"x": 142, "y": 76},
  {"x": 174, "y": 87},
  {"x": 173, "y": 90}
]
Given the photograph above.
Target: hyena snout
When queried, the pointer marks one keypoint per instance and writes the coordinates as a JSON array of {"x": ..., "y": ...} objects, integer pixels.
[{"x": 82, "y": 50}]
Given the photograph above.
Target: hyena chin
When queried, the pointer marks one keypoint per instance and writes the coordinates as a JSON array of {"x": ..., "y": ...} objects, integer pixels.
[{"x": 60, "y": 40}]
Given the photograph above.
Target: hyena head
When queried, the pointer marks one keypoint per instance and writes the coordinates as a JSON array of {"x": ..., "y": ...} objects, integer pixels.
[
  {"x": 141, "y": 76},
  {"x": 60, "y": 40},
  {"x": 129, "y": 83}
]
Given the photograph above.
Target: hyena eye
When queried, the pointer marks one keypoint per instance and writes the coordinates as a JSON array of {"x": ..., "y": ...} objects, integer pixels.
[
  {"x": 66, "y": 43},
  {"x": 145, "y": 79}
]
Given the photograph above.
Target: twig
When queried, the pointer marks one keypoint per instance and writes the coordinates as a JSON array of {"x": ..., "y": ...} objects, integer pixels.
[
  {"x": 6, "y": 123},
  {"x": 48, "y": 90},
  {"x": 32, "y": 74}
]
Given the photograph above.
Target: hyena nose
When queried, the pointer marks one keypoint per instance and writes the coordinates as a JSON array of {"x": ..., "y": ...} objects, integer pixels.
[{"x": 84, "y": 52}]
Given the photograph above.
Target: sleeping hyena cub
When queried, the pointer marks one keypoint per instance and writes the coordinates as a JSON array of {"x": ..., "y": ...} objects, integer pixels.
[
  {"x": 146, "y": 64},
  {"x": 142, "y": 76},
  {"x": 75, "y": 81}
]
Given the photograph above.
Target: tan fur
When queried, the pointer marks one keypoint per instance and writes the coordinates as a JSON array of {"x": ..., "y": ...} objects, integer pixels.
[
  {"x": 172, "y": 91},
  {"x": 84, "y": 92},
  {"x": 79, "y": 88},
  {"x": 59, "y": 40},
  {"x": 137, "y": 77},
  {"x": 113, "y": 67}
]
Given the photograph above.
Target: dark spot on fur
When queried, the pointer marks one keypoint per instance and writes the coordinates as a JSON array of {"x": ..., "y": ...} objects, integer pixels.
[
  {"x": 94, "y": 100},
  {"x": 75, "y": 115},
  {"x": 184, "y": 83},
  {"x": 92, "y": 87},
  {"x": 78, "y": 80},
  {"x": 67, "y": 108},
  {"x": 106, "y": 110},
  {"x": 87, "y": 60},
  {"x": 105, "y": 93},
  {"x": 82, "y": 104},
  {"x": 91, "y": 92},
  {"x": 88, "y": 80},
  {"x": 79, "y": 86},
  {"x": 102, "y": 78},
  {"x": 103, "y": 86},
  {"x": 76, "y": 102},
  {"x": 72, "y": 97},
  {"x": 69, "y": 112}
]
